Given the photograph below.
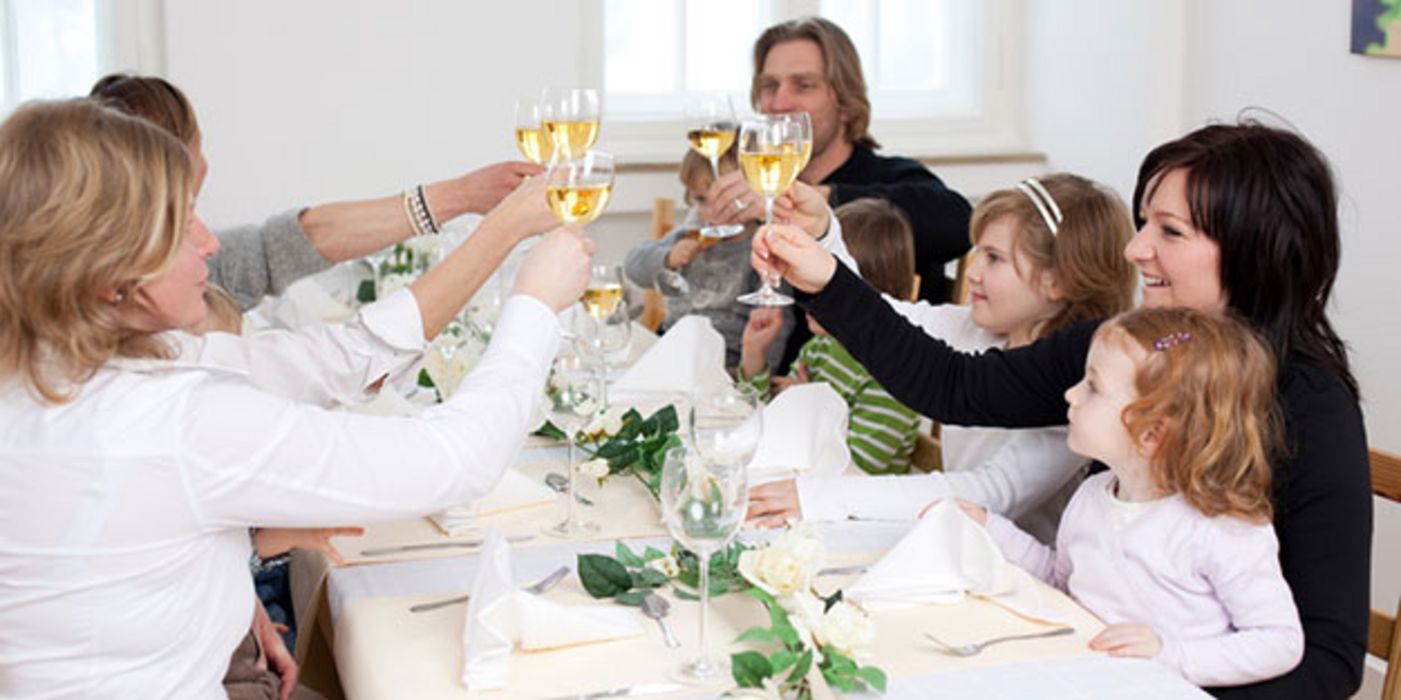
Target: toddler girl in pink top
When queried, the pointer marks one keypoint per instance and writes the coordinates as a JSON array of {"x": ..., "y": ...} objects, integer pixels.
[{"x": 1173, "y": 546}]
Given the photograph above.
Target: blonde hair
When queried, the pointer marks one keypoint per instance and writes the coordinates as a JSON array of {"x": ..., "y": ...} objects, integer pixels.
[
  {"x": 695, "y": 169},
  {"x": 880, "y": 240},
  {"x": 95, "y": 203},
  {"x": 1207, "y": 389},
  {"x": 843, "y": 67},
  {"x": 1085, "y": 255},
  {"x": 224, "y": 315}
]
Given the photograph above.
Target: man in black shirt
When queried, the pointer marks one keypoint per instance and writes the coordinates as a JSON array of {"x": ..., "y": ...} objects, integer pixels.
[{"x": 810, "y": 65}]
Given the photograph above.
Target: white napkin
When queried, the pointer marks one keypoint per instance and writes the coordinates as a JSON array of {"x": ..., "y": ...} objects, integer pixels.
[
  {"x": 946, "y": 555},
  {"x": 501, "y": 617},
  {"x": 691, "y": 355},
  {"x": 513, "y": 492},
  {"x": 805, "y": 432},
  {"x": 306, "y": 302}
]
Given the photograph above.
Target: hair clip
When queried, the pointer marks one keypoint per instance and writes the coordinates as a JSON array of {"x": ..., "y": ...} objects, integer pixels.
[
  {"x": 1045, "y": 204},
  {"x": 1171, "y": 340}
]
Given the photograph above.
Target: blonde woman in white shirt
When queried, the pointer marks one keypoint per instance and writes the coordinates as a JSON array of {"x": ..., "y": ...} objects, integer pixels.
[
  {"x": 127, "y": 484},
  {"x": 1047, "y": 253}
]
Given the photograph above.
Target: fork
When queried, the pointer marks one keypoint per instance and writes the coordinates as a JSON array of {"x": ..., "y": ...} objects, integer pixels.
[
  {"x": 975, "y": 648},
  {"x": 536, "y": 588}
]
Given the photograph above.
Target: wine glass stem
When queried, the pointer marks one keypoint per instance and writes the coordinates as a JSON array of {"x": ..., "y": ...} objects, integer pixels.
[
  {"x": 569, "y": 497},
  {"x": 705, "y": 600},
  {"x": 770, "y": 281},
  {"x": 715, "y": 166}
]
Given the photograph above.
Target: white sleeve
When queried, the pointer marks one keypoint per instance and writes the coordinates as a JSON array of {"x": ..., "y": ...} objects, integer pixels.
[
  {"x": 253, "y": 458},
  {"x": 943, "y": 321},
  {"x": 327, "y": 364},
  {"x": 1030, "y": 466},
  {"x": 896, "y": 497},
  {"x": 832, "y": 242}
]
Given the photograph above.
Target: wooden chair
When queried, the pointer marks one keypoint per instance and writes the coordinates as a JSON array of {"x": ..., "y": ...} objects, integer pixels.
[
  {"x": 1383, "y": 633},
  {"x": 958, "y": 293},
  {"x": 653, "y": 306}
]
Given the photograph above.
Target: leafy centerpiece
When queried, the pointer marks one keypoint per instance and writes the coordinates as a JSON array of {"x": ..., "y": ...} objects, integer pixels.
[{"x": 623, "y": 441}]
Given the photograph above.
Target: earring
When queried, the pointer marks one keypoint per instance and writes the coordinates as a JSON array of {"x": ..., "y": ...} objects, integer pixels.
[{"x": 118, "y": 297}]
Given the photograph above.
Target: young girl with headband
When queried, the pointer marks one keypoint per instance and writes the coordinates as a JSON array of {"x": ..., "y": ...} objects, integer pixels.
[
  {"x": 1047, "y": 254},
  {"x": 1173, "y": 546}
]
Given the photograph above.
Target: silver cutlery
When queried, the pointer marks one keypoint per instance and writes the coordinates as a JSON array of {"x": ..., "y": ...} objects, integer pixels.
[
  {"x": 560, "y": 483},
  {"x": 842, "y": 570},
  {"x": 624, "y": 692},
  {"x": 973, "y": 649},
  {"x": 657, "y": 607},
  {"x": 454, "y": 544},
  {"x": 536, "y": 588}
]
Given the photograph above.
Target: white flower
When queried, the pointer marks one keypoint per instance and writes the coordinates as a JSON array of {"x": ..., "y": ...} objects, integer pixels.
[
  {"x": 596, "y": 468},
  {"x": 447, "y": 361},
  {"x": 847, "y": 630},
  {"x": 393, "y": 282},
  {"x": 667, "y": 565},
  {"x": 805, "y": 614},
  {"x": 787, "y": 565},
  {"x": 606, "y": 424}
]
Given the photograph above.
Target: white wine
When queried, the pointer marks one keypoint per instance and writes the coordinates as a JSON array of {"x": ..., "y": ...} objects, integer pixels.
[
  {"x": 713, "y": 140},
  {"x": 578, "y": 204},
  {"x": 534, "y": 145},
  {"x": 602, "y": 300},
  {"x": 807, "y": 156},
  {"x": 572, "y": 139},
  {"x": 770, "y": 173}
]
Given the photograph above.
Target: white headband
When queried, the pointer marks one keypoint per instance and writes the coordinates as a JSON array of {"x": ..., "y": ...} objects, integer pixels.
[{"x": 1036, "y": 192}]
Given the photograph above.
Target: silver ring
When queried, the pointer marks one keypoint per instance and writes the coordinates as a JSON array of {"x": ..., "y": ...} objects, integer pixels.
[{"x": 740, "y": 205}]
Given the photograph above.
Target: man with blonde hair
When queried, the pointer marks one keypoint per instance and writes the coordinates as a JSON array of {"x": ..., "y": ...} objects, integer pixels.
[{"x": 810, "y": 65}]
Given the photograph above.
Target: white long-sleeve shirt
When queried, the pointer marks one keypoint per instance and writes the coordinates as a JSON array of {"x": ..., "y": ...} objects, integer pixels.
[
  {"x": 1025, "y": 474},
  {"x": 124, "y": 512}
]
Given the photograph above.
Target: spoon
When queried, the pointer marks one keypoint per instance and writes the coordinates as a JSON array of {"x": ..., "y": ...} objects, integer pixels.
[
  {"x": 560, "y": 483},
  {"x": 657, "y": 607}
]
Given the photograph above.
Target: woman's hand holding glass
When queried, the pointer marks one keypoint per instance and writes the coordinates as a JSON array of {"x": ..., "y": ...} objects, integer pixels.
[
  {"x": 790, "y": 252},
  {"x": 556, "y": 270}
]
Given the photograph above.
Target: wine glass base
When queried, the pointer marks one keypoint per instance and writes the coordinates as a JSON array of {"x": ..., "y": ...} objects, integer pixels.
[
  {"x": 722, "y": 231},
  {"x": 766, "y": 297},
  {"x": 570, "y": 529},
  {"x": 704, "y": 671}
]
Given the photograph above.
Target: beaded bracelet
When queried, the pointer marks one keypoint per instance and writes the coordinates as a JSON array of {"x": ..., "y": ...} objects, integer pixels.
[{"x": 419, "y": 215}]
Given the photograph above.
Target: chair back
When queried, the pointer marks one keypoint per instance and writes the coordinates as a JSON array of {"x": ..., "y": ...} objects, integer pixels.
[
  {"x": 958, "y": 293},
  {"x": 1383, "y": 634},
  {"x": 653, "y": 306}
]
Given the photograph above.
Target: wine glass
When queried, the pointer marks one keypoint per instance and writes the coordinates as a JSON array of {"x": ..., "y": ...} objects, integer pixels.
[
  {"x": 726, "y": 424},
  {"x": 703, "y": 505},
  {"x": 575, "y": 396},
  {"x": 570, "y": 118},
  {"x": 535, "y": 145},
  {"x": 605, "y": 327},
  {"x": 771, "y": 153},
  {"x": 578, "y": 189},
  {"x": 710, "y": 129}
]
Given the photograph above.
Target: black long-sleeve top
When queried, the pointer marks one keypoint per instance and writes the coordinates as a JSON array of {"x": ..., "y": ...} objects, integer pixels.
[
  {"x": 1322, "y": 495},
  {"x": 938, "y": 217}
]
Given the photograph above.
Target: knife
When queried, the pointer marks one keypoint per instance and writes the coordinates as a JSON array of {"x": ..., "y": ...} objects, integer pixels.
[
  {"x": 840, "y": 570},
  {"x": 455, "y": 544},
  {"x": 627, "y": 691}
]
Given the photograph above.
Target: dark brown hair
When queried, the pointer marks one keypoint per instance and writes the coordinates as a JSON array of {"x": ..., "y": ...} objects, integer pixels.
[
  {"x": 1266, "y": 196},
  {"x": 843, "y": 67},
  {"x": 880, "y": 240},
  {"x": 154, "y": 99}
]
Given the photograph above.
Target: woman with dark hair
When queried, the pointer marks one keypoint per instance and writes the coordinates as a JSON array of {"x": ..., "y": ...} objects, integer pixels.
[{"x": 1237, "y": 220}]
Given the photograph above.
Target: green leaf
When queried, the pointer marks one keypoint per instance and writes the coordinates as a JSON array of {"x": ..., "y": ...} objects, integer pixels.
[
  {"x": 666, "y": 419},
  {"x": 633, "y": 598},
  {"x": 365, "y": 293},
  {"x": 835, "y": 660},
  {"x": 840, "y": 678},
  {"x": 684, "y": 594},
  {"x": 831, "y": 600},
  {"x": 550, "y": 430},
  {"x": 872, "y": 677},
  {"x": 801, "y": 667},
  {"x": 652, "y": 578},
  {"x": 778, "y": 622},
  {"x": 782, "y": 659},
  {"x": 625, "y": 555},
  {"x": 652, "y": 553},
  {"x": 424, "y": 380},
  {"x": 602, "y": 576},
  {"x": 757, "y": 634},
  {"x": 762, "y": 596},
  {"x": 749, "y": 669}
]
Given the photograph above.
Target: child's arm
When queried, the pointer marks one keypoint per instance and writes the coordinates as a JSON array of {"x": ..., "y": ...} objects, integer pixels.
[
  {"x": 647, "y": 260},
  {"x": 880, "y": 429},
  {"x": 1046, "y": 563},
  {"x": 1027, "y": 468},
  {"x": 764, "y": 325},
  {"x": 1242, "y": 566}
]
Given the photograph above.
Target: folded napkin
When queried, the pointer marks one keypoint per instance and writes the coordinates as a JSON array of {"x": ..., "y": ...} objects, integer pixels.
[
  {"x": 946, "y": 555},
  {"x": 513, "y": 492},
  {"x": 805, "y": 432},
  {"x": 501, "y": 617},
  {"x": 307, "y": 302},
  {"x": 691, "y": 355}
]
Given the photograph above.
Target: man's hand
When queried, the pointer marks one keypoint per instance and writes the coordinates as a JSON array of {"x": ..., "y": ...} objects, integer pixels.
[
  {"x": 482, "y": 189},
  {"x": 275, "y": 657},
  {"x": 730, "y": 201}
]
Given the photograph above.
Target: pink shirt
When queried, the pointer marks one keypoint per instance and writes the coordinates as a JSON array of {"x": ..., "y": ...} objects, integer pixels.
[{"x": 1210, "y": 587}]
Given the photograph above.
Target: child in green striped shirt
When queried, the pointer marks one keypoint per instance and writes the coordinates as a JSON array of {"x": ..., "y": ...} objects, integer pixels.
[{"x": 881, "y": 431}]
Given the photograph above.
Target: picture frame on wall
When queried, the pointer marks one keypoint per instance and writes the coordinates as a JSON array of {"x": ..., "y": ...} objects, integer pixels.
[{"x": 1376, "y": 27}]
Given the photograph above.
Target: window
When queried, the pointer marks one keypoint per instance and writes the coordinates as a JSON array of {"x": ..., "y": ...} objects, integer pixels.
[{"x": 939, "y": 72}]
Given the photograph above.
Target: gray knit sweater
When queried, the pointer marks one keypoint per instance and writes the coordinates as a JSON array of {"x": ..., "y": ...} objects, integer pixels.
[{"x": 257, "y": 260}]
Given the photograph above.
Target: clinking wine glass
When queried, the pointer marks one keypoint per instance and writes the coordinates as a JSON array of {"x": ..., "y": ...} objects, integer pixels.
[
  {"x": 703, "y": 505},
  {"x": 771, "y": 154},
  {"x": 711, "y": 131},
  {"x": 574, "y": 396},
  {"x": 531, "y": 139},
  {"x": 605, "y": 328},
  {"x": 727, "y": 422},
  {"x": 569, "y": 117},
  {"x": 578, "y": 189}
]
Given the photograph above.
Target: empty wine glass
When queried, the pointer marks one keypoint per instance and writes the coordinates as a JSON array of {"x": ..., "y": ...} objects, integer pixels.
[
  {"x": 703, "y": 505},
  {"x": 726, "y": 424},
  {"x": 570, "y": 119},
  {"x": 575, "y": 396},
  {"x": 772, "y": 152}
]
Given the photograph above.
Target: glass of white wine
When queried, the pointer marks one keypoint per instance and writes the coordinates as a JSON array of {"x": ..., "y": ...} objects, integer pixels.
[
  {"x": 604, "y": 330},
  {"x": 703, "y": 506},
  {"x": 578, "y": 189},
  {"x": 771, "y": 154},
  {"x": 711, "y": 131},
  {"x": 535, "y": 145},
  {"x": 570, "y": 119},
  {"x": 574, "y": 396}
]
